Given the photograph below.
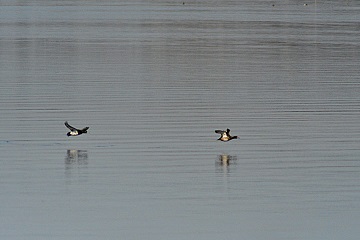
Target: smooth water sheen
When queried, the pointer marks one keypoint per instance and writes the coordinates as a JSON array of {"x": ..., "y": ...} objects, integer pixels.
[{"x": 153, "y": 80}]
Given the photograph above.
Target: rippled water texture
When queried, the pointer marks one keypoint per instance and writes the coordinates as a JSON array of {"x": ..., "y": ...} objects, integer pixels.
[{"x": 153, "y": 80}]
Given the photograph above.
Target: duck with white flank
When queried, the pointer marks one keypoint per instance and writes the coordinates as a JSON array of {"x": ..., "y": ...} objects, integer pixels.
[
  {"x": 75, "y": 131},
  {"x": 225, "y": 135}
]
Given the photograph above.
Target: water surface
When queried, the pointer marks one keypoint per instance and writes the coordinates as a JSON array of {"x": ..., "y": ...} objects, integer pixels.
[{"x": 153, "y": 81}]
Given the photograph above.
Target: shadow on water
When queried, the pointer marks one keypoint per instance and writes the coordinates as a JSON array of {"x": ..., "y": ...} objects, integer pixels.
[{"x": 79, "y": 157}]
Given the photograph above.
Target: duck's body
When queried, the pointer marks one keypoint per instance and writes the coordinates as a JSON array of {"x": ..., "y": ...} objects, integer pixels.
[
  {"x": 225, "y": 135},
  {"x": 75, "y": 131}
]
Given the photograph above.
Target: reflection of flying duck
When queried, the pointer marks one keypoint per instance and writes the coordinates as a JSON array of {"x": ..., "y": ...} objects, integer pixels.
[
  {"x": 76, "y": 156},
  {"x": 225, "y": 159},
  {"x": 225, "y": 135},
  {"x": 75, "y": 131}
]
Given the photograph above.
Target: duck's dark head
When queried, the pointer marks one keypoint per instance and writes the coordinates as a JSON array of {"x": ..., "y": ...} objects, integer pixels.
[
  {"x": 68, "y": 134},
  {"x": 84, "y": 130}
]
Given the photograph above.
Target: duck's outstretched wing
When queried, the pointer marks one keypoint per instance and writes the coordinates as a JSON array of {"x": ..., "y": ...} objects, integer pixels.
[
  {"x": 70, "y": 127},
  {"x": 219, "y": 131}
]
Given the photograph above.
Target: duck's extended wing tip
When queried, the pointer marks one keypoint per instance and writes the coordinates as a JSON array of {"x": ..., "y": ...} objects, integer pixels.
[{"x": 69, "y": 127}]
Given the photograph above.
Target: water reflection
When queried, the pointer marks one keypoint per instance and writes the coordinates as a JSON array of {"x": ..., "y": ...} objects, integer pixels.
[
  {"x": 79, "y": 157},
  {"x": 226, "y": 160}
]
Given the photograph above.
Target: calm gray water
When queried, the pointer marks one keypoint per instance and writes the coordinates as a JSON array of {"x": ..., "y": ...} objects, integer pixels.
[{"x": 153, "y": 80}]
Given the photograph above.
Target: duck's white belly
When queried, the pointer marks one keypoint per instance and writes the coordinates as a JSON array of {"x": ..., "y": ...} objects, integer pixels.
[
  {"x": 74, "y": 133},
  {"x": 225, "y": 138}
]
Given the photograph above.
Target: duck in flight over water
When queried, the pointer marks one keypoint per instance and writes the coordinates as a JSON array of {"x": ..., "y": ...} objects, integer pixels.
[
  {"x": 75, "y": 131},
  {"x": 225, "y": 135}
]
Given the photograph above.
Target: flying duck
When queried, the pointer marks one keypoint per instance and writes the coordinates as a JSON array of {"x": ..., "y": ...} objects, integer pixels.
[
  {"x": 225, "y": 135},
  {"x": 75, "y": 131}
]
